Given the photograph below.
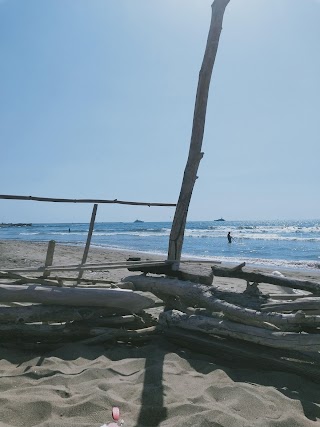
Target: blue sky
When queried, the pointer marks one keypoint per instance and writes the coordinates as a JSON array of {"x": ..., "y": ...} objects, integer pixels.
[{"x": 97, "y": 100}]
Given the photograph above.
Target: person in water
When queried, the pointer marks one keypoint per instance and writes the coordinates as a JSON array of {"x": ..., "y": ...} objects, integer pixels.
[{"x": 229, "y": 237}]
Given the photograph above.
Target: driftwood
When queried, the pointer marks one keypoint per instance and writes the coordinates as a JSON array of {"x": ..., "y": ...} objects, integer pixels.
[
  {"x": 123, "y": 335},
  {"x": 57, "y": 313},
  {"x": 49, "y": 256},
  {"x": 287, "y": 296},
  {"x": 182, "y": 273},
  {"x": 207, "y": 325},
  {"x": 77, "y": 267},
  {"x": 56, "y": 199},
  {"x": 112, "y": 298},
  {"x": 87, "y": 246},
  {"x": 52, "y": 281},
  {"x": 200, "y": 296},
  {"x": 19, "y": 279},
  {"x": 238, "y": 273},
  {"x": 118, "y": 321},
  {"x": 199, "y": 117},
  {"x": 70, "y": 332},
  {"x": 306, "y": 303}
]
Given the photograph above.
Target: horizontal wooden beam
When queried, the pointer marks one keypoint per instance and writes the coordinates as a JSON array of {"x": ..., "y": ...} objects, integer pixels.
[
  {"x": 80, "y": 267},
  {"x": 60, "y": 200},
  {"x": 107, "y": 298}
]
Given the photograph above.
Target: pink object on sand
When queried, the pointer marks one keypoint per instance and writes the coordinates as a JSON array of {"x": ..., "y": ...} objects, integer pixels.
[{"x": 115, "y": 413}]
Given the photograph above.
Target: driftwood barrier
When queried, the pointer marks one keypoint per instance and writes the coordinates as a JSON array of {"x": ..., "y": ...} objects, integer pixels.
[
  {"x": 191, "y": 314},
  {"x": 199, "y": 295}
]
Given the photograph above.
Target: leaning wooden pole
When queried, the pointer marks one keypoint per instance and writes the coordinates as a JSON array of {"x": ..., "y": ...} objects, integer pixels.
[
  {"x": 87, "y": 247},
  {"x": 195, "y": 154}
]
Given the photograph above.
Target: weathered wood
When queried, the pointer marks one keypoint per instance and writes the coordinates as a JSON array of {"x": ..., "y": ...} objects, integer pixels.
[
  {"x": 70, "y": 332},
  {"x": 200, "y": 296},
  {"x": 207, "y": 325},
  {"x": 57, "y": 313},
  {"x": 55, "y": 280},
  {"x": 19, "y": 279},
  {"x": 195, "y": 274},
  {"x": 84, "y": 282},
  {"x": 195, "y": 154},
  {"x": 55, "y": 199},
  {"x": 49, "y": 257},
  {"x": 118, "y": 321},
  {"x": 125, "y": 263},
  {"x": 78, "y": 267},
  {"x": 199, "y": 261},
  {"x": 306, "y": 303},
  {"x": 113, "y": 298},
  {"x": 305, "y": 285},
  {"x": 123, "y": 335},
  {"x": 87, "y": 246},
  {"x": 287, "y": 296}
]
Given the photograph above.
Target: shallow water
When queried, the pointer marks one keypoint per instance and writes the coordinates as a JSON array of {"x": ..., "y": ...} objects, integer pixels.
[{"x": 282, "y": 244}]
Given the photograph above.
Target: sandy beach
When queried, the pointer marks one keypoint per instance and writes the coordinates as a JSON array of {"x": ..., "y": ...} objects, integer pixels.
[{"x": 155, "y": 384}]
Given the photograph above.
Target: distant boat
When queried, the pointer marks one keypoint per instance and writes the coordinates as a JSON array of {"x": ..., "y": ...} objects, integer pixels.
[
  {"x": 138, "y": 220},
  {"x": 220, "y": 219}
]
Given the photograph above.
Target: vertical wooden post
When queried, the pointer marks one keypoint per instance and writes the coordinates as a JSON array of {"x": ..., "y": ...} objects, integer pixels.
[
  {"x": 86, "y": 249},
  {"x": 195, "y": 155},
  {"x": 49, "y": 257}
]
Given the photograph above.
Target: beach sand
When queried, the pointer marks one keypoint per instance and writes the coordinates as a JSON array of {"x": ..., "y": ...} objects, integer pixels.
[{"x": 156, "y": 384}]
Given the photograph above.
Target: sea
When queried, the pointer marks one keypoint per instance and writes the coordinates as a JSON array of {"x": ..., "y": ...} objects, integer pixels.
[{"x": 272, "y": 244}]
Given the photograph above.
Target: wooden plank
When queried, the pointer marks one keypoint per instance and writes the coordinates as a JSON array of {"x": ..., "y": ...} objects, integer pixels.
[
  {"x": 79, "y": 267},
  {"x": 200, "y": 261}
]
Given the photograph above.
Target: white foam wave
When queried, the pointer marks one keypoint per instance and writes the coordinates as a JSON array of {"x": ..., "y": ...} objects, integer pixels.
[{"x": 29, "y": 234}]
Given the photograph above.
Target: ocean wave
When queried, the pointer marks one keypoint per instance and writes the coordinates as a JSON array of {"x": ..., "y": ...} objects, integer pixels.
[{"x": 30, "y": 233}]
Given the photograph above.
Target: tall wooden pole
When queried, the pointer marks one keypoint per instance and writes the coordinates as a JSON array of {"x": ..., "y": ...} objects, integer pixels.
[
  {"x": 87, "y": 247},
  {"x": 199, "y": 117}
]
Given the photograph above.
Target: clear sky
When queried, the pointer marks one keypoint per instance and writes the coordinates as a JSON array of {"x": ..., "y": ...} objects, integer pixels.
[{"x": 97, "y": 99}]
